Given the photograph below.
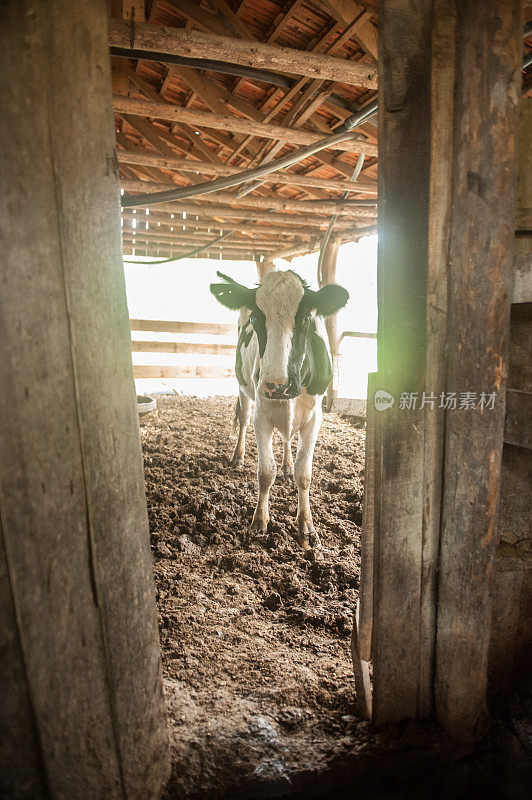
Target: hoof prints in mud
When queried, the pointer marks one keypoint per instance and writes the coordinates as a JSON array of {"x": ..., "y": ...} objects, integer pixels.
[{"x": 252, "y": 635}]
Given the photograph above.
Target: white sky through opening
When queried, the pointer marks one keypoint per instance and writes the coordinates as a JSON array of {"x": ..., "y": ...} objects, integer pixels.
[{"x": 179, "y": 290}]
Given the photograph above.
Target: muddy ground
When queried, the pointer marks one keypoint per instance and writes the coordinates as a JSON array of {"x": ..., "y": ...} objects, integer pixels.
[{"x": 255, "y": 639}]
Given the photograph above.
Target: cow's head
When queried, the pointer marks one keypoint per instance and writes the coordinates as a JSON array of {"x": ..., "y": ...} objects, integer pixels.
[{"x": 282, "y": 312}]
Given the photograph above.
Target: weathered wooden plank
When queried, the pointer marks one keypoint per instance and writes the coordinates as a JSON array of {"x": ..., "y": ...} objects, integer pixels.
[
  {"x": 150, "y": 371},
  {"x": 253, "y": 201},
  {"x": 346, "y": 11},
  {"x": 204, "y": 19},
  {"x": 188, "y": 42},
  {"x": 522, "y": 279},
  {"x": 524, "y": 185},
  {"x": 170, "y": 326},
  {"x": 362, "y": 676},
  {"x": 183, "y": 244},
  {"x": 22, "y": 774},
  {"x": 481, "y": 244},
  {"x": 404, "y": 184},
  {"x": 74, "y": 517},
  {"x": 217, "y": 211},
  {"x": 203, "y": 119},
  {"x": 367, "y": 539},
  {"x": 518, "y": 420},
  {"x": 183, "y": 347},
  {"x": 349, "y": 406},
  {"x": 284, "y": 178},
  {"x": 441, "y": 157},
  {"x": 328, "y": 275},
  {"x": 357, "y": 335},
  {"x": 216, "y": 227}
]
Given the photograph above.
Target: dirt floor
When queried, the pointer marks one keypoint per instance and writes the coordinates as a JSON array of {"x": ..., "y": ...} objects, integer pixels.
[{"x": 255, "y": 639}]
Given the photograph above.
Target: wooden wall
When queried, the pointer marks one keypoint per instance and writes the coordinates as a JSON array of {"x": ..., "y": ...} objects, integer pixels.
[
  {"x": 448, "y": 131},
  {"x": 81, "y": 706}
]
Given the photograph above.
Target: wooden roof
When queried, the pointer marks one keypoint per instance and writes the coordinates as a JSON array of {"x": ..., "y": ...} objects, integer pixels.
[{"x": 180, "y": 125}]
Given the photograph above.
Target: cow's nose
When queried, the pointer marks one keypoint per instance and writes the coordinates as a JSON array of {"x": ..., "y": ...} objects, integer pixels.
[{"x": 275, "y": 389}]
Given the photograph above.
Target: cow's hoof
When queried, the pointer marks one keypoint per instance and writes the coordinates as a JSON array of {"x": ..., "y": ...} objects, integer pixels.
[
  {"x": 308, "y": 538},
  {"x": 287, "y": 474},
  {"x": 314, "y": 539},
  {"x": 237, "y": 462},
  {"x": 258, "y": 526}
]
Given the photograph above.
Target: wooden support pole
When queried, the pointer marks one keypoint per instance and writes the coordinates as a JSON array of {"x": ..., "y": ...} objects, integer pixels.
[
  {"x": 444, "y": 288},
  {"x": 328, "y": 275},
  {"x": 480, "y": 270},
  {"x": 264, "y": 266},
  {"x": 188, "y": 42},
  {"x": 81, "y": 705},
  {"x": 405, "y": 48}
]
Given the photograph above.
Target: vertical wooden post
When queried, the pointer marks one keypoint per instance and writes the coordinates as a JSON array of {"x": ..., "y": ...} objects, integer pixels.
[
  {"x": 81, "y": 705},
  {"x": 404, "y": 182},
  {"x": 480, "y": 262},
  {"x": 328, "y": 275},
  {"x": 446, "y": 187},
  {"x": 263, "y": 267}
]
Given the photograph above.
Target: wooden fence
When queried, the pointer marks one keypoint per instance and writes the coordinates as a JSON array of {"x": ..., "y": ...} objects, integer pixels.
[{"x": 155, "y": 371}]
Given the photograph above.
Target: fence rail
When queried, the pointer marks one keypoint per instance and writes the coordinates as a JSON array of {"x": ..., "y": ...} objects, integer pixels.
[{"x": 155, "y": 371}]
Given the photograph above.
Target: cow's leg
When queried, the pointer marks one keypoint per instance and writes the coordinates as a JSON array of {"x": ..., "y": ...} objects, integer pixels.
[
  {"x": 266, "y": 471},
  {"x": 308, "y": 435},
  {"x": 288, "y": 462},
  {"x": 242, "y": 414}
]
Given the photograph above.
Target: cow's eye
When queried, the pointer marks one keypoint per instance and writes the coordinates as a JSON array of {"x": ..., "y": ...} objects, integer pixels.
[{"x": 253, "y": 319}]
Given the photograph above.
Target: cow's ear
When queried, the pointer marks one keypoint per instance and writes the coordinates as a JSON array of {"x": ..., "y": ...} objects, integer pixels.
[
  {"x": 232, "y": 294},
  {"x": 329, "y": 299}
]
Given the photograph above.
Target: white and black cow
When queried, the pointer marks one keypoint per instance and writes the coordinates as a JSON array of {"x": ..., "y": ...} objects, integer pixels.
[{"x": 283, "y": 365}]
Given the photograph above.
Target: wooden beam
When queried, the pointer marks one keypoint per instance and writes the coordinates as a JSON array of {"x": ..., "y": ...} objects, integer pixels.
[
  {"x": 252, "y": 201},
  {"x": 150, "y": 371},
  {"x": 346, "y": 11},
  {"x": 517, "y": 429},
  {"x": 480, "y": 265},
  {"x": 81, "y": 696},
  {"x": 235, "y": 23},
  {"x": 204, "y": 225},
  {"x": 205, "y": 20},
  {"x": 170, "y": 230},
  {"x": 284, "y": 178},
  {"x": 397, "y": 481},
  {"x": 217, "y": 212},
  {"x": 183, "y": 347},
  {"x": 171, "y": 326},
  {"x": 202, "y": 119},
  {"x": 183, "y": 42},
  {"x": 190, "y": 243}
]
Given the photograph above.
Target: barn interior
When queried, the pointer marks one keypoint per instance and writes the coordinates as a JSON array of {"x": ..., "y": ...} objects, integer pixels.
[{"x": 394, "y": 662}]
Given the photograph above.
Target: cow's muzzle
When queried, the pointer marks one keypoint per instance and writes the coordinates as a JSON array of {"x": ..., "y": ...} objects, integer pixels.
[{"x": 279, "y": 391}]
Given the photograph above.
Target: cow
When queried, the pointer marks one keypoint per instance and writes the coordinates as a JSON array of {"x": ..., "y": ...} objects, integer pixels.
[{"x": 283, "y": 366}]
